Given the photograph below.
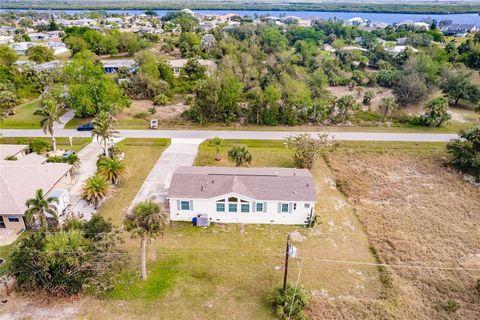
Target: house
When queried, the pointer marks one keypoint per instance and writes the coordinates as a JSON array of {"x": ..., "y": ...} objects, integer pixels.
[
  {"x": 47, "y": 66},
  {"x": 39, "y": 36},
  {"x": 113, "y": 66},
  {"x": 12, "y": 150},
  {"x": 459, "y": 30},
  {"x": 356, "y": 21},
  {"x": 19, "y": 181},
  {"x": 179, "y": 64},
  {"x": 6, "y": 39},
  {"x": 399, "y": 49},
  {"x": 21, "y": 47},
  {"x": 242, "y": 195}
]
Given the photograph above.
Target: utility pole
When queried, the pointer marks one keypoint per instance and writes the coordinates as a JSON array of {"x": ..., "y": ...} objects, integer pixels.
[{"x": 287, "y": 255}]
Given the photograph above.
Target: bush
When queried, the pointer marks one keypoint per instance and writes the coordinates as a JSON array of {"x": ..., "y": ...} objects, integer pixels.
[
  {"x": 66, "y": 262},
  {"x": 39, "y": 146},
  {"x": 449, "y": 306},
  {"x": 11, "y": 158},
  {"x": 160, "y": 100},
  {"x": 367, "y": 97},
  {"x": 477, "y": 287},
  {"x": 152, "y": 110},
  {"x": 465, "y": 152},
  {"x": 289, "y": 305},
  {"x": 141, "y": 115}
]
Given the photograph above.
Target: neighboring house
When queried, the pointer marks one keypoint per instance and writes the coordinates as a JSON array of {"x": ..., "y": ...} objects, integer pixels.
[
  {"x": 178, "y": 64},
  {"x": 399, "y": 49},
  {"x": 19, "y": 181},
  {"x": 113, "y": 66},
  {"x": 6, "y": 39},
  {"x": 21, "y": 47},
  {"x": 459, "y": 30},
  {"x": 356, "y": 21},
  {"x": 243, "y": 195},
  {"x": 39, "y": 36},
  {"x": 15, "y": 150},
  {"x": 58, "y": 47},
  {"x": 48, "y": 65}
]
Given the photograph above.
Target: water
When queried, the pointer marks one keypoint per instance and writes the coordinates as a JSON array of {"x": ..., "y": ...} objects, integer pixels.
[{"x": 465, "y": 18}]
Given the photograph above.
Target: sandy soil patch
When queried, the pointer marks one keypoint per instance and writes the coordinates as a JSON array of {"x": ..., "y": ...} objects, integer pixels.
[
  {"x": 358, "y": 93},
  {"x": 417, "y": 212}
]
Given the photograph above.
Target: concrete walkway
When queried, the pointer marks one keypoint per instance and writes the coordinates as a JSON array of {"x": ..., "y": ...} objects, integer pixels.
[
  {"x": 66, "y": 117},
  {"x": 181, "y": 152}
]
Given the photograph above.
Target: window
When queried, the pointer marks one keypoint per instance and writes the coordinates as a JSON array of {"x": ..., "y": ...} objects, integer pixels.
[
  {"x": 13, "y": 219},
  {"x": 284, "y": 207},
  {"x": 232, "y": 207},
  {"x": 185, "y": 205},
  {"x": 232, "y": 199},
  {"x": 259, "y": 207},
  {"x": 245, "y": 207},
  {"x": 220, "y": 207}
]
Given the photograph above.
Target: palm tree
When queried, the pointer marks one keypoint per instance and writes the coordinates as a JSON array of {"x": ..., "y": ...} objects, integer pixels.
[
  {"x": 50, "y": 114},
  {"x": 346, "y": 104},
  {"x": 39, "y": 207},
  {"x": 103, "y": 129},
  {"x": 64, "y": 242},
  {"x": 94, "y": 189},
  {"x": 146, "y": 221},
  {"x": 240, "y": 155},
  {"x": 217, "y": 143},
  {"x": 387, "y": 105},
  {"x": 112, "y": 169}
]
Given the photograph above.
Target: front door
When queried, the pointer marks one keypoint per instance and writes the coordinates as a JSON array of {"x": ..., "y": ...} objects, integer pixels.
[{"x": 2, "y": 223}]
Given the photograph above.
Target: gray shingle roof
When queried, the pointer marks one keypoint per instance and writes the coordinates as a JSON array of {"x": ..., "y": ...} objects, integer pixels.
[{"x": 283, "y": 184}]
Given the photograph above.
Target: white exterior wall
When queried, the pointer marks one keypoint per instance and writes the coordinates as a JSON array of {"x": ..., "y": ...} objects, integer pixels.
[{"x": 299, "y": 213}]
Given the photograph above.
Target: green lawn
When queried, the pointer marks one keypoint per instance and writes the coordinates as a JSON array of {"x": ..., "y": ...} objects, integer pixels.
[
  {"x": 23, "y": 117},
  {"x": 140, "y": 156},
  {"x": 62, "y": 143},
  {"x": 228, "y": 271}
]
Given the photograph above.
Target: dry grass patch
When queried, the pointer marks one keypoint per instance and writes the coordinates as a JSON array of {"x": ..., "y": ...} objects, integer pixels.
[{"x": 417, "y": 212}]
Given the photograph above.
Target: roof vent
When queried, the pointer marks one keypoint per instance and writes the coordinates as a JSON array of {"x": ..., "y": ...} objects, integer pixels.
[
  {"x": 294, "y": 192},
  {"x": 308, "y": 185},
  {"x": 213, "y": 181},
  {"x": 203, "y": 188},
  {"x": 294, "y": 174}
]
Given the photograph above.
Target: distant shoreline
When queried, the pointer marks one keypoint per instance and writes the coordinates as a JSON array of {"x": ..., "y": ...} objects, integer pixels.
[{"x": 314, "y": 7}]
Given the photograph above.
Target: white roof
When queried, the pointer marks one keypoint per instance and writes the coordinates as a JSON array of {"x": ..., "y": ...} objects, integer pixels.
[
  {"x": 11, "y": 150},
  {"x": 19, "y": 182},
  {"x": 118, "y": 63},
  {"x": 180, "y": 63}
]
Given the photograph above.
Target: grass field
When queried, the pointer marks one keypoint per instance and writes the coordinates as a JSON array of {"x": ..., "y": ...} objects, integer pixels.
[
  {"x": 62, "y": 143},
  {"x": 23, "y": 117},
  {"x": 416, "y": 211},
  {"x": 140, "y": 156}
]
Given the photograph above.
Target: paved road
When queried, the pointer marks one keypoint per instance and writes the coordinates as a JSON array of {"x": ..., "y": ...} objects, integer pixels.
[
  {"x": 181, "y": 152},
  {"x": 266, "y": 135}
]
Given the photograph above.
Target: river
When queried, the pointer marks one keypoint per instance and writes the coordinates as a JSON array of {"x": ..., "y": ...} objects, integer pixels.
[{"x": 464, "y": 18}]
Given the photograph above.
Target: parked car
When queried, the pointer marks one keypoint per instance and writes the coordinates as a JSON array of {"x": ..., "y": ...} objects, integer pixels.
[
  {"x": 85, "y": 127},
  {"x": 67, "y": 153}
]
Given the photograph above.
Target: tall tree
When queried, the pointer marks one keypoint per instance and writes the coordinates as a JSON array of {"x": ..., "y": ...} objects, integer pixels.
[
  {"x": 39, "y": 208},
  {"x": 457, "y": 84},
  {"x": 50, "y": 113},
  {"x": 240, "y": 155},
  {"x": 112, "y": 169},
  {"x": 103, "y": 129},
  {"x": 95, "y": 189},
  {"x": 146, "y": 221}
]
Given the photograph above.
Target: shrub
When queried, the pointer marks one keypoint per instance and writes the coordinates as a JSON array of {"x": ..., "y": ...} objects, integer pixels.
[
  {"x": 140, "y": 115},
  {"x": 477, "y": 287},
  {"x": 465, "y": 152},
  {"x": 289, "y": 305},
  {"x": 367, "y": 97},
  {"x": 160, "y": 100},
  {"x": 306, "y": 149},
  {"x": 450, "y": 306},
  {"x": 39, "y": 146},
  {"x": 152, "y": 110},
  {"x": 11, "y": 158}
]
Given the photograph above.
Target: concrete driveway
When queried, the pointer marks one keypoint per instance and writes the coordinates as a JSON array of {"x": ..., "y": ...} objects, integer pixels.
[{"x": 181, "y": 152}]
